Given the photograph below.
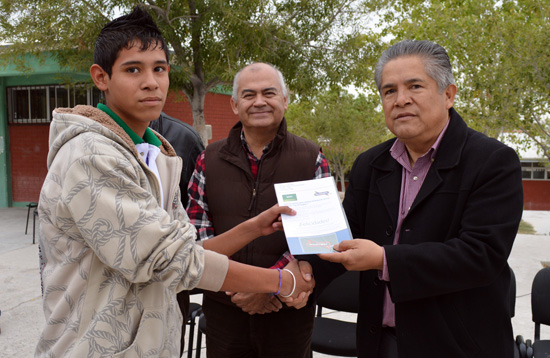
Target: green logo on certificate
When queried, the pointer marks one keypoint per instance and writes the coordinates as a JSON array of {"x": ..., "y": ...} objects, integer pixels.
[{"x": 289, "y": 197}]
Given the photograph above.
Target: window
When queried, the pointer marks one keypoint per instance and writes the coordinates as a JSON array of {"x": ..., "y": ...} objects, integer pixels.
[
  {"x": 535, "y": 171},
  {"x": 34, "y": 104}
]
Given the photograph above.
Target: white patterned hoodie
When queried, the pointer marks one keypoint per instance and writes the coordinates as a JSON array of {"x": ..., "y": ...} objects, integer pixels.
[{"x": 112, "y": 259}]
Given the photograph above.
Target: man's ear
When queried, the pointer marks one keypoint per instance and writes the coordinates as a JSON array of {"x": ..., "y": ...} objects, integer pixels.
[
  {"x": 100, "y": 77},
  {"x": 450, "y": 93},
  {"x": 233, "y": 105}
]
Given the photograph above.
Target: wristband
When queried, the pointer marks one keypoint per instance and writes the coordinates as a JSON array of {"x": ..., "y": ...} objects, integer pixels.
[
  {"x": 280, "y": 282},
  {"x": 293, "y": 285}
]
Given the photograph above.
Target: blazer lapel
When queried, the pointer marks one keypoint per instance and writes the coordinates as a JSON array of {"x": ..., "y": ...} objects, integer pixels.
[
  {"x": 432, "y": 181},
  {"x": 447, "y": 156},
  {"x": 389, "y": 182}
]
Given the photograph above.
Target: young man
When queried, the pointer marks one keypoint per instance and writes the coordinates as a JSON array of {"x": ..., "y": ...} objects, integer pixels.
[
  {"x": 437, "y": 209},
  {"x": 116, "y": 244},
  {"x": 233, "y": 182}
]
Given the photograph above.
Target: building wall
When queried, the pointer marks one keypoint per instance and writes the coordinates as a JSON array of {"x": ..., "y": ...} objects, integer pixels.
[
  {"x": 217, "y": 112},
  {"x": 536, "y": 194},
  {"x": 23, "y": 148},
  {"x": 28, "y": 144}
]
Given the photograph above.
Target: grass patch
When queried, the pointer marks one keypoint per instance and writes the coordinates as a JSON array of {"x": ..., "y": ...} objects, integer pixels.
[{"x": 526, "y": 228}]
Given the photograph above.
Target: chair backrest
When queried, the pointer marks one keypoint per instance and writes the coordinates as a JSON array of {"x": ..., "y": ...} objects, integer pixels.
[
  {"x": 540, "y": 300},
  {"x": 342, "y": 294}
]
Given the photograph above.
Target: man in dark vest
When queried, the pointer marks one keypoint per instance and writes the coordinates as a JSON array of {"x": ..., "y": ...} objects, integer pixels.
[
  {"x": 233, "y": 181},
  {"x": 188, "y": 145}
]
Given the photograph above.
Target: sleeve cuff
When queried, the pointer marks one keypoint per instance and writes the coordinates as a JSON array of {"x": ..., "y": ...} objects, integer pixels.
[
  {"x": 384, "y": 274},
  {"x": 215, "y": 270}
]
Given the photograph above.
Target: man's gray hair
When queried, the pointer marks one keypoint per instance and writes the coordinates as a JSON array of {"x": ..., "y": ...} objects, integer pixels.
[
  {"x": 436, "y": 61},
  {"x": 235, "y": 95}
]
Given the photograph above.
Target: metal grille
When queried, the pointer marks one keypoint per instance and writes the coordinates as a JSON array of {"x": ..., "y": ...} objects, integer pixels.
[{"x": 34, "y": 104}]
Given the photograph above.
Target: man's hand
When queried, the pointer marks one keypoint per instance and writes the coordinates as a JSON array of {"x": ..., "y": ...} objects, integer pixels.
[
  {"x": 256, "y": 303},
  {"x": 241, "y": 235},
  {"x": 304, "y": 284},
  {"x": 357, "y": 255},
  {"x": 269, "y": 221}
]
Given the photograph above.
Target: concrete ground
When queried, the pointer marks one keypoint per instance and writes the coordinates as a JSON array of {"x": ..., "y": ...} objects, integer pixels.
[{"x": 21, "y": 304}]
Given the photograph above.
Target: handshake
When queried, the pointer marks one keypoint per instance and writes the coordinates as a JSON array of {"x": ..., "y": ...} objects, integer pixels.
[{"x": 297, "y": 284}]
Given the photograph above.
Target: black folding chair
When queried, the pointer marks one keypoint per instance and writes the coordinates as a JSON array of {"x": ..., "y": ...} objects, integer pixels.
[
  {"x": 330, "y": 335},
  {"x": 195, "y": 309},
  {"x": 540, "y": 308},
  {"x": 33, "y": 206}
]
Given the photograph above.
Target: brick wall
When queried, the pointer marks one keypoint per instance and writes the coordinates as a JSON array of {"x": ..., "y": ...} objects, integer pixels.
[
  {"x": 217, "y": 113},
  {"x": 536, "y": 194},
  {"x": 178, "y": 107},
  {"x": 28, "y": 154},
  {"x": 29, "y": 143}
]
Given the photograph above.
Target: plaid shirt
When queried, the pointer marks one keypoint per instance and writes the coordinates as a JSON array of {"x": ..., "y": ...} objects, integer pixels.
[{"x": 197, "y": 208}]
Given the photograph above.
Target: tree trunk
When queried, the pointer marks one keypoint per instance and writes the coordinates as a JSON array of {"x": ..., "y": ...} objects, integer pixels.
[
  {"x": 197, "y": 107},
  {"x": 337, "y": 168}
]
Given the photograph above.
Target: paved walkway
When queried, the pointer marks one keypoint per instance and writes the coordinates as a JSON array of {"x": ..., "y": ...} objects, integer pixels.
[{"x": 21, "y": 304}]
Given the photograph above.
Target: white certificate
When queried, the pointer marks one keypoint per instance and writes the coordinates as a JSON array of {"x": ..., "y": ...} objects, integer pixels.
[{"x": 320, "y": 222}]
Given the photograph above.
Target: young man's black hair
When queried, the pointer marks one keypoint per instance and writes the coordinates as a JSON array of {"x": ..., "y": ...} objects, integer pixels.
[{"x": 136, "y": 28}]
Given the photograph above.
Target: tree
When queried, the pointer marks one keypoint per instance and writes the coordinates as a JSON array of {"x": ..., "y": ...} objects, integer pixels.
[
  {"x": 311, "y": 41},
  {"x": 342, "y": 124},
  {"x": 499, "y": 50}
]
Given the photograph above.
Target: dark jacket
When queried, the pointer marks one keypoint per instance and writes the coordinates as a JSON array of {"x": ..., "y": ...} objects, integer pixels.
[
  {"x": 449, "y": 276},
  {"x": 186, "y": 142}
]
